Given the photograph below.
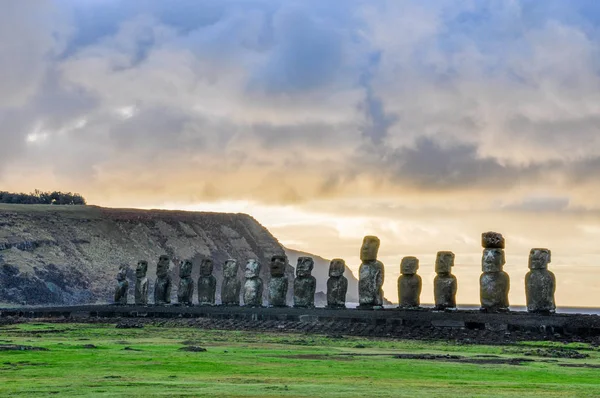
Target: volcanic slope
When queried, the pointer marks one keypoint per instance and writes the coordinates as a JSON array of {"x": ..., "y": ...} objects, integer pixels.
[{"x": 71, "y": 254}]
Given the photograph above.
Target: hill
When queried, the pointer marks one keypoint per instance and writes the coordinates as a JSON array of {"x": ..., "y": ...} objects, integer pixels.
[{"x": 71, "y": 254}]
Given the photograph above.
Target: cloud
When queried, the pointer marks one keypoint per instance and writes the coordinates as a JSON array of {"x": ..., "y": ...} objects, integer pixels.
[
  {"x": 425, "y": 122},
  {"x": 302, "y": 101}
]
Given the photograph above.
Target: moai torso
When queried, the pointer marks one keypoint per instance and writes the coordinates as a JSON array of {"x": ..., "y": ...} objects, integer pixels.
[
  {"x": 409, "y": 283},
  {"x": 122, "y": 286},
  {"x": 278, "y": 285},
  {"x": 185, "y": 292},
  {"x": 163, "y": 284},
  {"x": 253, "y": 286},
  {"x": 207, "y": 283},
  {"x": 230, "y": 289},
  {"x": 371, "y": 274},
  {"x": 444, "y": 284},
  {"x": 494, "y": 283},
  {"x": 141, "y": 283},
  {"x": 337, "y": 284},
  {"x": 494, "y": 291},
  {"x": 305, "y": 284},
  {"x": 540, "y": 284}
]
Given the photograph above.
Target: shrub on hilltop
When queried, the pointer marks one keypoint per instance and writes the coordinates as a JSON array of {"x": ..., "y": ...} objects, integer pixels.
[{"x": 42, "y": 198}]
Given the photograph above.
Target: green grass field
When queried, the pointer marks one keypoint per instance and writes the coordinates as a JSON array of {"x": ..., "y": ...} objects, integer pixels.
[{"x": 101, "y": 360}]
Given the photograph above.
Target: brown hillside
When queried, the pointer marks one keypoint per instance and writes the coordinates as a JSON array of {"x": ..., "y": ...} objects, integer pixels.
[{"x": 71, "y": 254}]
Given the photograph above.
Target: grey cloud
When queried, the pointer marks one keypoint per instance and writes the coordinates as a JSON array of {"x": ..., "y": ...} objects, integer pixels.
[
  {"x": 290, "y": 87},
  {"x": 540, "y": 204},
  {"x": 303, "y": 137},
  {"x": 307, "y": 54},
  {"x": 431, "y": 166},
  {"x": 154, "y": 129}
]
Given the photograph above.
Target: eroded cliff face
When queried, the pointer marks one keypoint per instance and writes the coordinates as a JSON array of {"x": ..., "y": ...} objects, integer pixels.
[{"x": 71, "y": 254}]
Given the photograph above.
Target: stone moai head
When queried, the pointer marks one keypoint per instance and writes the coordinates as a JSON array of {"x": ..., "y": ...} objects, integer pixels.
[
  {"x": 444, "y": 262},
  {"x": 230, "y": 269},
  {"x": 185, "y": 269},
  {"x": 122, "y": 274},
  {"x": 492, "y": 240},
  {"x": 162, "y": 268},
  {"x": 304, "y": 267},
  {"x": 409, "y": 265},
  {"x": 337, "y": 266},
  {"x": 369, "y": 248},
  {"x": 252, "y": 269},
  {"x": 492, "y": 260},
  {"x": 141, "y": 269},
  {"x": 206, "y": 267},
  {"x": 539, "y": 258},
  {"x": 278, "y": 265}
]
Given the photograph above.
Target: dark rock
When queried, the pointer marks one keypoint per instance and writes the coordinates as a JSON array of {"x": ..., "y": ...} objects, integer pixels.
[
  {"x": 540, "y": 284},
  {"x": 278, "y": 284},
  {"x": 445, "y": 284},
  {"x": 193, "y": 349},
  {"x": 207, "y": 283},
  {"x": 371, "y": 274},
  {"x": 131, "y": 349},
  {"x": 128, "y": 325},
  {"x": 17, "y": 347},
  {"x": 494, "y": 288},
  {"x": 321, "y": 274},
  {"x": 253, "y": 287},
  {"x": 122, "y": 286},
  {"x": 337, "y": 284},
  {"x": 492, "y": 240},
  {"x": 409, "y": 283},
  {"x": 141, "y": 283},
  {"x": 305, "y": 284},
  {"x": 230, "y": 289},
  {"x": 185, "y": 292},
  {"x": 163, "y": 284}
]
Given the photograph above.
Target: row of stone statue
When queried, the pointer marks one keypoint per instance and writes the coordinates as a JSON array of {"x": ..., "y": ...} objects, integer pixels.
[
  {"x": 494, "y": 283},
  {"x": 540, "y": 284},
  {"x": 304, "y": 284}
]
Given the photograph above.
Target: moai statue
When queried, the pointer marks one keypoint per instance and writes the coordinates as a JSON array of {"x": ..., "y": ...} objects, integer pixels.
[
  {"x": 305, "y": 284},
  {"x": 185, "y": 292},
  {"x": 278, "y": 285},
  {"x": 444, "y": 284},
  {"x": 122, "y": 286},
  {"x": 230, "y": 289},
  {"x": 207, "y": 283},
  {"x": 337, "y": 284},
  {"x": 163, "y": 284},
  {"x": 494, "y": 283},
  {"x": 540, "y": 284},
  {"x": 253, "y": 287},
  {"x": 409, "y": 283},
  {"x": 371, "y": 275},
  {"x": 141, "y": 283}
]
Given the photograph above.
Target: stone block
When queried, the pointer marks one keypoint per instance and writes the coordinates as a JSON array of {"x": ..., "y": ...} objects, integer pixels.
[
  {"x": 492, "y": 240},
  {"x": 448, "y": 323}
]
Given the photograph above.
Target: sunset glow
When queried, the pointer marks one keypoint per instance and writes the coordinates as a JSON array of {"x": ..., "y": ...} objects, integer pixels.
[{"x": 424, "y": 123}]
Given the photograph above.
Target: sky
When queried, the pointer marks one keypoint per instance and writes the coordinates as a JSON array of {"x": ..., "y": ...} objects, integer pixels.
[{"x": 424, "y": 122}]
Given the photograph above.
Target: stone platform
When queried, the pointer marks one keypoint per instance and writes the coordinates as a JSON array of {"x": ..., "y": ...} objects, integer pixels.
[{"x": 564, "y": 324}]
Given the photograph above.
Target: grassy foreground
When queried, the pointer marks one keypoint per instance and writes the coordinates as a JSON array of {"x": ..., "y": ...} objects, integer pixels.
[{"x": 100, "y": 360}]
